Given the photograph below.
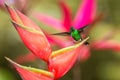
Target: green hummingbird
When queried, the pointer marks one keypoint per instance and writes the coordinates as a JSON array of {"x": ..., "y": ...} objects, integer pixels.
[{"x": 74, "y": 33}]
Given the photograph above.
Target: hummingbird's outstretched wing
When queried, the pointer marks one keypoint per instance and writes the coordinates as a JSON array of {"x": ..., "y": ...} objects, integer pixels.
[
  {"x": 62, "y": 33},
  {"x": 82, "y": 29},
  {"x": 90, "y": 26}
]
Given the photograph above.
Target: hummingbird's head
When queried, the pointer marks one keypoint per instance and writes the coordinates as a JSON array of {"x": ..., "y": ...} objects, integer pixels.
[{"x": 72, "y": 29}]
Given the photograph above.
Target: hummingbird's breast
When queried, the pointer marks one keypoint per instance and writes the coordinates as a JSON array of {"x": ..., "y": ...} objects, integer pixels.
[{"x": 76, "y": 35}]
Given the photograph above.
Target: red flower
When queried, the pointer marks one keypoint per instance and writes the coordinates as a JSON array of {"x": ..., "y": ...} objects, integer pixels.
[{"x": 36, "y": 41}]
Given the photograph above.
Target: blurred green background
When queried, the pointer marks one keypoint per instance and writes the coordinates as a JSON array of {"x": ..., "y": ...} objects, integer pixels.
[{"x": 102, "y": 64}]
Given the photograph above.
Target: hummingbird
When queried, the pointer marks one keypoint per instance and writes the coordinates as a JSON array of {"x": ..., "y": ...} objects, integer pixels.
[{"x": 74, "y": 33}]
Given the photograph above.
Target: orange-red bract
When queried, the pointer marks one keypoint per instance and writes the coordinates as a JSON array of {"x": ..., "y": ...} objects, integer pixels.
[
  {"x": 62, "y": 63},
  {"x": 62, "y": 60},
  {"x": 28, "y": 73},
  {"x": 36, "y": 42}
]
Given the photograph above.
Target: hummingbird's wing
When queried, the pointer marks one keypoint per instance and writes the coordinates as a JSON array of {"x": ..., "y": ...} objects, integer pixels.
[
  {"x": 91, "y": 25},
  {"x": 62, "y": 33},
  {"x": 82, "y": 29}
]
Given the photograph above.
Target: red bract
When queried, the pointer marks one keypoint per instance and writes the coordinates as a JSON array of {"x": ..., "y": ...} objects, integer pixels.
[
  {"x": 60, "y": 64},
  {"x": 28, "y": 73},
  {"x": 62, "y": 60},
  {"x": 34, "y": 39},
  {"x": 37, "y": 42}
]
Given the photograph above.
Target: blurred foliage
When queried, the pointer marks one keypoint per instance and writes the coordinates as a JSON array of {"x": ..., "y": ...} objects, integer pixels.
[{"x": 102, "y": 65}]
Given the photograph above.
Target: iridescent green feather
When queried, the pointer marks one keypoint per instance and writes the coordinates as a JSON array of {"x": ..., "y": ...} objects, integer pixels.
[{"x": 75, "y": 34}]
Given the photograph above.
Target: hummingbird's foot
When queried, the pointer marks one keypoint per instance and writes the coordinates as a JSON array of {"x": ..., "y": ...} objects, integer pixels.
[{"x": 86, "y": 43}]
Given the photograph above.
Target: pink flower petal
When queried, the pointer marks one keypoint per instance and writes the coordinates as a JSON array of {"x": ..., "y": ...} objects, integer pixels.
[
  {"x": 49, "y": 20},
  {"x": 1, "y": 3},
  {"x": 110, "y": 45},
  {"x": 66, "y": 15},
  {"x": 56, "y": 40},
  {"x": 84, "y": 53},
  {"x": 36, "y": 42},
  {"x": 29, "y": 57},
  {"x": 28, "y": 73},
  {"x": 85, "y": 14}
]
